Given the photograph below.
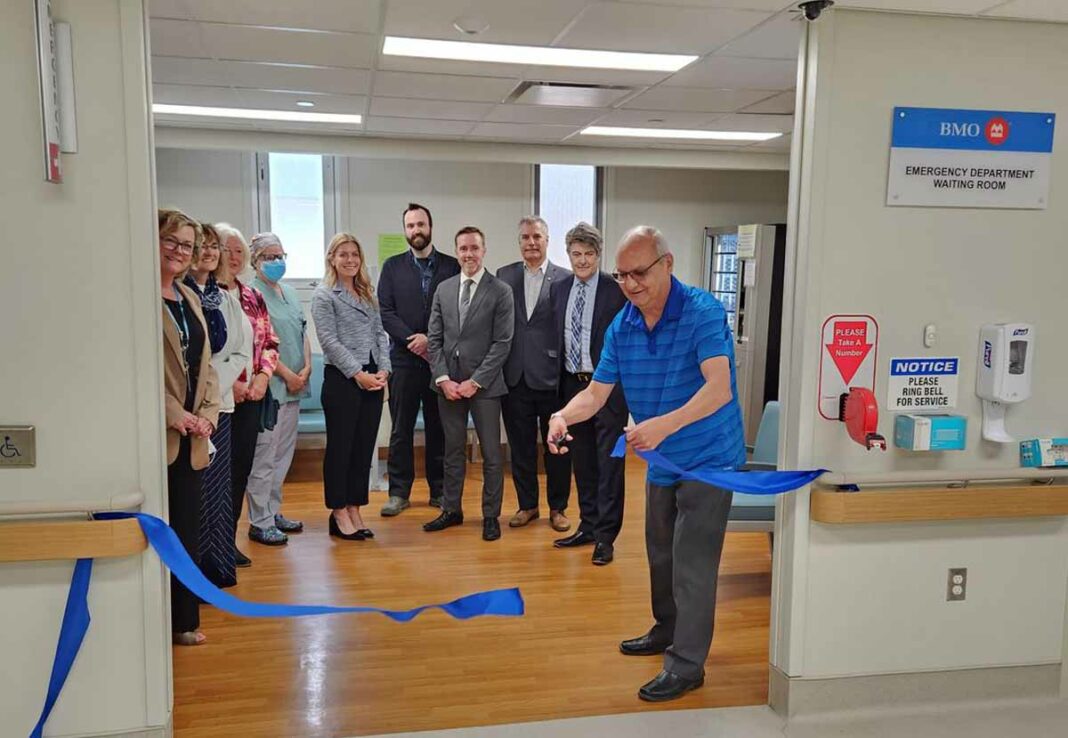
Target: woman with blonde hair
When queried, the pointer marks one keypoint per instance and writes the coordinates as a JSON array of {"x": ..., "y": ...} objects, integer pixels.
[
  {"x": 356, "y": 358},
  {"x": 191, "y": 401},
  {"x": 230, "y": 335}
]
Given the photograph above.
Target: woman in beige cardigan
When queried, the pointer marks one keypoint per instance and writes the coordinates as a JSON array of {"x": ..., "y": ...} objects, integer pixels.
[{"x": 191, "y": 395}]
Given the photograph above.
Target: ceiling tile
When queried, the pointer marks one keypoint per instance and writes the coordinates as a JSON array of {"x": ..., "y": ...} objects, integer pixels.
[
  {"x": 656, "y": 119},
  {"x": 758, "y": 123},
  {"x": 658, "y": 28},
  {"x": 923, "y": 6},
  {"x": 769, "y": 6},
  {"x": 224, "y": 97},
  {"x": 685, "y": 99},
  {"x": 522, "y": 131},
  {"x": 414, "y": 126},
  {"x": 781, "y": 103},
  {"x": 261, "y": 76},
  {"x": 779, "y": 38},
  {"x": 543, "y": 114},
  {"x": 177, "y": 38},
  {"x": 445, "y": 66},
  {"x": 246, "y": 43},
  {"x": 258, "y": 99},
  {"x": 594, "y": 76},
  {"x": 399, "y": 107},
  {"x": 360, "y": 16},
  {"x": 534, "y": 22},
  {"x": 728, "y": 71},
  {"x": 181, "y": 71},
  {"x": 1054, "y": 10},
  {"x": 442, "y": 86}
]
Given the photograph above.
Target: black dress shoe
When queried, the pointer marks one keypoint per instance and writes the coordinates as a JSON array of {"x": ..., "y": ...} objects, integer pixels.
[
  {"x": 582, "y": 538},
  {"x": 445, "y": 520},
  {"x": 366, "y": 532},
  {"x": 603, "y": 553},
  {"x": 335, "y": 531},
  {"x": 240, "y": 560},
  {"x": 644, "y": 645},
  {"x": 491, "y": 529},
  {"x": 667, "y": 686}
]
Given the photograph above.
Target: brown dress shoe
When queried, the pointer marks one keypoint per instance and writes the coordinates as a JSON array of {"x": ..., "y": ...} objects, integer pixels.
[
  {"x": 522, "y": 517},
  {"x": 559, "y": 521}
]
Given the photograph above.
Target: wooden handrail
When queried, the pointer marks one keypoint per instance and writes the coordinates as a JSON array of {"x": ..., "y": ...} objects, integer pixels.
[
  {"x": 51, "y": 540},
  {"x": 940, "y": 476}
]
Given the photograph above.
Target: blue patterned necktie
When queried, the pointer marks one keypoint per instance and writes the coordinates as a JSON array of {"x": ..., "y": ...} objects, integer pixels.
[{"x": 574, "y": 351}]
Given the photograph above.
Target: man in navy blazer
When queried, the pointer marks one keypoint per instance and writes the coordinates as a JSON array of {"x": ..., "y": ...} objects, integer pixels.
[
  {"x": 533, "y": 376},
  {"x": 406, "y": 290},
  {"x": 584, "y": 305}
]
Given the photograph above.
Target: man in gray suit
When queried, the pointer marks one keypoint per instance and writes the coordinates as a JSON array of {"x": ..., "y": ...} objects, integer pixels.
[
  {"x": 533, "y": 376},
  {"x": 471, "y": 326}
]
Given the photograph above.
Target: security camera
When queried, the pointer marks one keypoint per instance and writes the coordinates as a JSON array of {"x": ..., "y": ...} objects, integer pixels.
[{"x": 813, "y": 8}]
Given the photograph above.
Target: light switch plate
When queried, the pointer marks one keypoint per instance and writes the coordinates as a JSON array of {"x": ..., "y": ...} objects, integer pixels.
[{"x": 18, "y": 446}]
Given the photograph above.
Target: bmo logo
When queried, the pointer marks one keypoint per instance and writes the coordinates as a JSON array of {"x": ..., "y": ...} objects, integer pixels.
[{"x": 996, "y": 130}]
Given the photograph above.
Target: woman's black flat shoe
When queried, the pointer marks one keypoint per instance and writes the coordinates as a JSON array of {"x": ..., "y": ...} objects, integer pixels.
[
  {"x": 366, "y": 532},
  {"x": 335, "y": 531}
]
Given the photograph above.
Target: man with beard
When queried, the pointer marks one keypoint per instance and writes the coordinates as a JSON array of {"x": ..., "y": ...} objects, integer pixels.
[{"x": 405, "y": 293}]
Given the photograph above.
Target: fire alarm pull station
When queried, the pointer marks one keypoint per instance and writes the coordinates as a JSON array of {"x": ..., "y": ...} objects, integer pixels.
[{"x": 860, "y": 412}]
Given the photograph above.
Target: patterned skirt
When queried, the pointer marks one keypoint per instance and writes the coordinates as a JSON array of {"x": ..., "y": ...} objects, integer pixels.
[{"x": 216, "y": 512}]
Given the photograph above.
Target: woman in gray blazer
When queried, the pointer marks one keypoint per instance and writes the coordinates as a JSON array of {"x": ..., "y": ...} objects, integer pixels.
[{"x": 356, "y": 368}]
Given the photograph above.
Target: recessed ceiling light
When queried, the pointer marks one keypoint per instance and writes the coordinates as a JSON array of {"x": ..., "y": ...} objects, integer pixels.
[
  {"x": 250, "y": 114},
  {"x": 471, "y": 25},
  {"x": 690, "y": 134},
  {"x": 305, "y": 104},
  {"x": 428, "y": 48}
]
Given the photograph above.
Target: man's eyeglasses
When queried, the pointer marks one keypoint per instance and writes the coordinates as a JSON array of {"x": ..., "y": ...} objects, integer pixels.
[
  {"x": 170, "y": 243},
  {"x": 274, "y": 257},
  {"x": 638, "y": 275}
]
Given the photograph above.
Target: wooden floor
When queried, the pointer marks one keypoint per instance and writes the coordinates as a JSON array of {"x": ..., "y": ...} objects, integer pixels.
[{"x": 353, "y": 675}]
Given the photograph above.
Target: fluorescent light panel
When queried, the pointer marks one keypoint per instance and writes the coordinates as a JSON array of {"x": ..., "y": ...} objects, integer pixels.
[
  {"x": 546, "y": 56},
  {"x": 691, "y": 134},
  {"x": 250, "y": 114}
]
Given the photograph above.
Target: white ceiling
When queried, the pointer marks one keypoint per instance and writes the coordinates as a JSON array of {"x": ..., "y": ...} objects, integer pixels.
[{"x": 272, "y": 53}]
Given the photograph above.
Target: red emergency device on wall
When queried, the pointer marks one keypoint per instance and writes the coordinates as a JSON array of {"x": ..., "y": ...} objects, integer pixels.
[{"x": 860, "y": 412}]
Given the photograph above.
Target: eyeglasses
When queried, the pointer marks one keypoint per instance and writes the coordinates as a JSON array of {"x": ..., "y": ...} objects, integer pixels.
[
  {"x": 274, "y": 257},
  {"x": 170, "y": 243},
  {"x": 638, "y": 275}
]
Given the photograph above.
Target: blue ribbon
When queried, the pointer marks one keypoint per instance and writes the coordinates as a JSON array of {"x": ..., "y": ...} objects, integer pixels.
[
  {"x": 505, "y": 602},
  {"x": 749, "y": 482}
]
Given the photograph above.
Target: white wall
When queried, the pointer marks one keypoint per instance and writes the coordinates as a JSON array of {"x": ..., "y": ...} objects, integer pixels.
[
  {"x": 80, "y": 334},
  {"x": 213, "y": 186},
  {"x": 871, "y": 599}
]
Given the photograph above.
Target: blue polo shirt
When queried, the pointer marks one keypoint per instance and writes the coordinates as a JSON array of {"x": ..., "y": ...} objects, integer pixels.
[{"x": 660, "y": 370}]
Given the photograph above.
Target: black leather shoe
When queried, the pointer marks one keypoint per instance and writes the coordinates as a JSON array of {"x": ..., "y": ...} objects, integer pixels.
[
  {"x": 667, "y": 686},
  {"x": 582, "y": 538},
  {"x": 642, "y": 646},
  {"x": 445, "y": 520},
  {"x": 603, "y": 553},
  {"x": 491, "y": 529},
  {"x": 366, "y": 532},
  {"x": 335, "y": 531},
  {"x": 240, "y": 560}
]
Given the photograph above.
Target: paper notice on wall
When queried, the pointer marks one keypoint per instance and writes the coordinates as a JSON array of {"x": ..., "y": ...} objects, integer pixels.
[
  {"x": 390, "y": 244},
  {"x": 922, "y": 385},
  {"x": 747, "y": 235},
  {"x": 748, "y": 273}
]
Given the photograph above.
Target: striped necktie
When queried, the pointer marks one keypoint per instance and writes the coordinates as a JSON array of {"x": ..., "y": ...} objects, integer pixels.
[
  {"x": 574, "y": 351},
  {"x": 465, "y": 300}
]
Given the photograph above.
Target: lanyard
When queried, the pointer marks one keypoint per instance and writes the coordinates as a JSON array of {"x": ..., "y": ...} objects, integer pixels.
[{"x": 183, "y": 335}]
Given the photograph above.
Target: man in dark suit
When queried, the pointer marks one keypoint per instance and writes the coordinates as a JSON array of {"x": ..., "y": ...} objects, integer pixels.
[
  {"x": 471, "y": 325},
  {"x": 533, "y": 376},
  {"x": 584, "y": 305},
  {"x": 405, "y": 293}
]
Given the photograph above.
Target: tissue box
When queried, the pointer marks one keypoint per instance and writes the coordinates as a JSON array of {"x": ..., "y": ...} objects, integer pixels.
[
  {"x": 930, "y": 432},
  {"x": 1044, "y": 452}
]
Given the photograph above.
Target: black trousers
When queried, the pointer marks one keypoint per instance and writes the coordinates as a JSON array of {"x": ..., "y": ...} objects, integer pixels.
[
  {"x": 598, "y": 477},
  {"x": 183, "y": 500},
  {"x": 410, "y": 386},
  {"x": 244, "y": 428},
  {"x": 684, "y": 528},
  {"x": 526, "y": 411},
  {"x": 352, "y": 418}
]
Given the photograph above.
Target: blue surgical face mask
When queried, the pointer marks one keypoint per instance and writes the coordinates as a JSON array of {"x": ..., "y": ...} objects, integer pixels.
[{"x": 274, "y": 270}]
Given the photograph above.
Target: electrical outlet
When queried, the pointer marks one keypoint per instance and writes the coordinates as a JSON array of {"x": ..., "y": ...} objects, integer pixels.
[{"x": 957, "y": 585}]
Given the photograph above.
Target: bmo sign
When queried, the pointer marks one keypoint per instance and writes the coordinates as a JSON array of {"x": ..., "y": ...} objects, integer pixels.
[{"x": 943, "y": 157}]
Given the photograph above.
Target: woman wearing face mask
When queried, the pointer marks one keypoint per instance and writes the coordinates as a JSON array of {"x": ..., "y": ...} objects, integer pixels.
[
  {"x": 251, "y": 387},
  {"x": 191, "y": 400},
  {"x": 230, "y": 336},
  {"x": 274, "y": 449},
  {"x": 356, "y": 357}
]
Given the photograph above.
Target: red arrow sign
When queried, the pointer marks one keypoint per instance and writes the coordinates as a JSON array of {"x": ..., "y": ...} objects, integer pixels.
[{"x": 849, "y": 347}]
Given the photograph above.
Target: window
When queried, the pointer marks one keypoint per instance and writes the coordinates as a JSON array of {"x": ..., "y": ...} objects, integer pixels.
[
  {"x": 565, "y": 194},
  {"x": 296, "y": 203},
  {"x": 724, "y": 276}
]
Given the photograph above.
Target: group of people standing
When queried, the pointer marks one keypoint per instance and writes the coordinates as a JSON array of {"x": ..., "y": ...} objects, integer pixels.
[{"x": 565, "y": 355}]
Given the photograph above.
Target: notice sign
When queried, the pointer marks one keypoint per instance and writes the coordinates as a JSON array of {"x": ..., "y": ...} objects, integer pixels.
[
  {"x": 970, "y": 158},
  {"x": 922, "y": 385},
  {"x": 848, "y": 353}
]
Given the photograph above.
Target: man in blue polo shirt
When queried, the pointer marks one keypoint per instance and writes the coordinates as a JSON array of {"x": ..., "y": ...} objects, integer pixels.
[{"x": 673, "y": 353}]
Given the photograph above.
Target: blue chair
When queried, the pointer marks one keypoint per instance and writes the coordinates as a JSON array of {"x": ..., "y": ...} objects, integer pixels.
[
  {"x": 312, "y": 419},
  {"x": 757, "y": 512}
]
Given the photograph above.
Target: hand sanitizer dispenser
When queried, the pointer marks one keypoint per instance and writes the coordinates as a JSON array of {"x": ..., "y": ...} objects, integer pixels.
[{"x": 1006, "y": 353}]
